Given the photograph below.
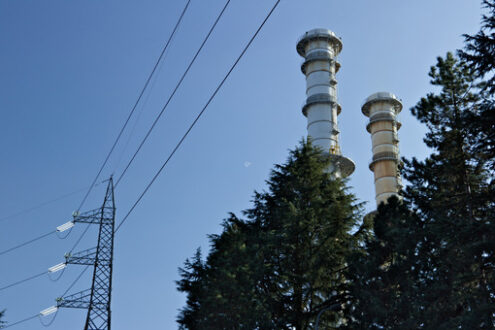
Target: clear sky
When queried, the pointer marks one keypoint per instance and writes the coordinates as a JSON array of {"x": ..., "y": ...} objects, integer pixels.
[{"x": 70, "y": 72}]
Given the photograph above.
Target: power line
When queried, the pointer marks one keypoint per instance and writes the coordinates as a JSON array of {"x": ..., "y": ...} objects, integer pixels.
[
  {"x": 136, "y": 103},
  {"x": 131, "y": 113},
  {"x": 80, "y": 238},
  {"x": 46, "y": 325},
  {"x": 23, "y": 281},
  {"x": 138, "y": 116},
  {"x": 75, "y": 281},
  {"x": 136, "y": 121},
  {"x": 96, "y": 177},
  {"x": 28, "y": 242},
  {"x": 44, "y": 235},
  {"x": 40, "y": 205},
  {"x": 36, "y": 207},
  {"x": 175, "y": 149},
  {"x": 168, "y": 101},
  {"x": 33, "y": 277},
  {"x": 200, "y": 114},
  {"x": 109, "y": 153},
  {"x": 173, "y": 92},
  {"x": 22, "y": 321}
]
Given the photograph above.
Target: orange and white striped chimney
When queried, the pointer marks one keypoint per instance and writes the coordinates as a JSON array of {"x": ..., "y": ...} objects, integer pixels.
[{"x": 382, "y": 108}]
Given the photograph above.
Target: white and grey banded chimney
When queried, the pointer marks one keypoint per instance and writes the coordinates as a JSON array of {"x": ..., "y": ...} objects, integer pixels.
[{"x": 320, "y": 47}]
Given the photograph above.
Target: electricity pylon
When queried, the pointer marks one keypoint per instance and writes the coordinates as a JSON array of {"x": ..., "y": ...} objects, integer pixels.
[{"x": 97, "y": 299}]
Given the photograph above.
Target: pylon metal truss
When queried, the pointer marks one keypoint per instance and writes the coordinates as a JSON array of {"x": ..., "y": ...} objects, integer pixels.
[{"x": 97, "y": 299}]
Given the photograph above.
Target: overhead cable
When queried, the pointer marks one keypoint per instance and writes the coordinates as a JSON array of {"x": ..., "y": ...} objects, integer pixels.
[
  {"x": 80, "y": 238},
  {"x": 97, "y": 175},
  {"x": 173, "y": 93},
  {"x": 23, "y": 281},
  {"x": 40, "y": 205},
  {"x": 33, "y": 277},
  {"x": 199, "y": 115},
  {"x": 75, "y": 281},
  {"x": 136, "y": 103},
  {"x": 19, "y": 322},
  {"x": 131, "y": 113},
  {"x": 109, "y": 153},
  {"x": 57, "y": 231},
  {"x": 59, "y": 267},
  {"x": 28, "y": 242},
  {"x": 46, "y": 325}
]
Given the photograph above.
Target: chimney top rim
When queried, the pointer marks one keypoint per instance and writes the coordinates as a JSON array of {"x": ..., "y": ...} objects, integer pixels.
[
  {"x": 381, "y": 97},
  {"x": 319, "y": 33}
]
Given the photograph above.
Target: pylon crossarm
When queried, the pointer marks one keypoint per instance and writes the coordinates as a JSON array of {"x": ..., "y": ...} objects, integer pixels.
[
  {"x": 86, "y": 257},
  {"x": 93, "y": 216},
  {"x": 76, "y": 300}
]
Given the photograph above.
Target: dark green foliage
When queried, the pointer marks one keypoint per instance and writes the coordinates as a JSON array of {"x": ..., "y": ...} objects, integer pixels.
[
  {"x": 480, "y": 48},
  {"x": 221, "y": 292},
  {"x": 306, "y": 219},
  {"x": 283, "y": 264},
  {"x": 432, "y": 267},
  {"x": 384, "y": 275},
  {"x": 454, "y": 173},
  {"x": 453, "y": 193},
  {"x": 2, "y": 323},
  {"x": 479, "y": 54},
  {"x": 426, "y": 262}
]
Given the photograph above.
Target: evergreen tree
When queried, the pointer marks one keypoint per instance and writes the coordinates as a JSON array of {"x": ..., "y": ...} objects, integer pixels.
[
  {"x": 479, "y": 53},
  {"x": 449, "y": 190},
  {"x": 384, "y": 275},
  {"x": 282, "y": 265},
  {"x": 221, "y": 292},
  {"x": 306, "y": 219},
  {"x": 433, "y": 268},
  {"x": 2, "y": 323},
  {"x": 480, "y": 48}
]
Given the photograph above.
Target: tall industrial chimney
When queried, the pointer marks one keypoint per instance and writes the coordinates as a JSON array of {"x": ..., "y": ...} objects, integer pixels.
[
  {"x": 320, "y": 47},
  {"x": 382, "y": 109}
]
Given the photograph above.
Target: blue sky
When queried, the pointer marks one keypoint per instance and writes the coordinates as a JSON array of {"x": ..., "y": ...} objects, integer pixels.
[{"x": 70, "y": 72}]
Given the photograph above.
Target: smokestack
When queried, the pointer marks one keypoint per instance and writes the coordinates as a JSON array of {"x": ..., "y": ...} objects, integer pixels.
[
  {"x": 320, "y": 47},
  {"x": 382, "y": 109}
]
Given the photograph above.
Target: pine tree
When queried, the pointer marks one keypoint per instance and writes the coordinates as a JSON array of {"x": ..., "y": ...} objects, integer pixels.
[
  {"x": 384, "y": 274},
  {"x": 221, "y": 291},
  {"x": 480, "y": 48},
  {"x": 191, "y": 282},
  {"x": 2, "y": 323},
  {"x": 429, "y": 264},
  {"x": 284, "y": 264},
  {"x": 479, "y": 53},
  {"x": 449, "y": 190}
]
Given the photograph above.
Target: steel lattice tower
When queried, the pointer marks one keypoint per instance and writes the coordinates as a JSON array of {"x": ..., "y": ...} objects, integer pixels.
[{"x": 97, "y": 299}]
